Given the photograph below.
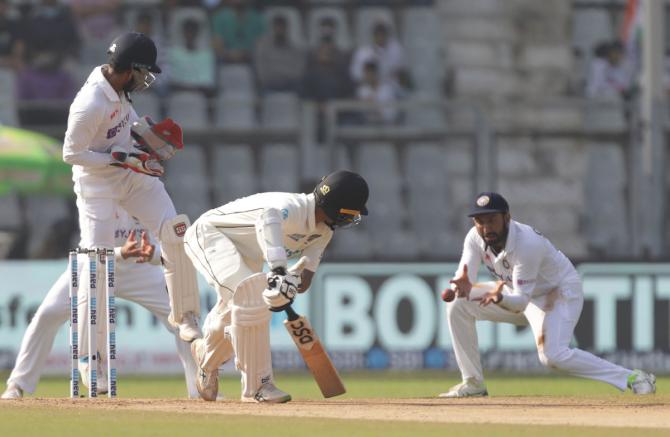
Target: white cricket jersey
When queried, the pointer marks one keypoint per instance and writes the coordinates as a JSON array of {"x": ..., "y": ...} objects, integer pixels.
[
  {"x": 124, "y": 225},
  {"x": 529, "y": 264},
  {"x": 302, "y": 236},
  {"x": 99, "y": 119}
]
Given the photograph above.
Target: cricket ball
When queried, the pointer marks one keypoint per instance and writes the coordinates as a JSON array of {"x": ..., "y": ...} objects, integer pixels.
[{"x": 448, "y": 295}]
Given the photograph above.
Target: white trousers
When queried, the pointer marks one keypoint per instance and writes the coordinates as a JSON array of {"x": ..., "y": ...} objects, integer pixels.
[
  {"x": 146, "y": 290},
  {"x": 552, "y": 318},
  {"x": 224, "y": 260}
]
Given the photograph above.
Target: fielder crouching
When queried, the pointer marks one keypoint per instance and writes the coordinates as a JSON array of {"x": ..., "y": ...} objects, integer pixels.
[
  {"x": 538, "y": 286},
  {"x": 230, "y": 243}
]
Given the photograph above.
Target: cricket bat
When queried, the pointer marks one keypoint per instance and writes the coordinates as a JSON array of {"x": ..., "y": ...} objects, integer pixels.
[
  {"x": 315, "y": 356},
  {"x": 308, "y": 343}
]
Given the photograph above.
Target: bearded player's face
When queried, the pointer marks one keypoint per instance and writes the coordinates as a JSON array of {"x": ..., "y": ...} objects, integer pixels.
[{"x": 492, "y": 227}]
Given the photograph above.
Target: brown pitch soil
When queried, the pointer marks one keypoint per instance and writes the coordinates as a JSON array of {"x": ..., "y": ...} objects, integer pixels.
[{"x": 642, "y": 412}]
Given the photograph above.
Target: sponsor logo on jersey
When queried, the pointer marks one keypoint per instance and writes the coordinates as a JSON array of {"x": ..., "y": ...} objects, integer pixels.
[
  {"x": 180, "y": 229},
  {"x": 521, "y": 282},
  {"x": 114, "y": 114},
  {"x": 111, "y": 133}
]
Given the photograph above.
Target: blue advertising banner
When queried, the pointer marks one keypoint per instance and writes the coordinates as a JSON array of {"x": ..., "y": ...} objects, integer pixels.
[{"x": 379, "y": 316}]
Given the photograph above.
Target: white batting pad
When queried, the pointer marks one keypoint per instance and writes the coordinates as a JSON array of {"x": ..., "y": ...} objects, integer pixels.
[
  {"x": 250, "y": 332},
  {"x": 179, "y": 272}
]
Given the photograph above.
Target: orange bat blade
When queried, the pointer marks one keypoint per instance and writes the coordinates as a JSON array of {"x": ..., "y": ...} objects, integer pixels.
[{"x": 315, "y": 357}]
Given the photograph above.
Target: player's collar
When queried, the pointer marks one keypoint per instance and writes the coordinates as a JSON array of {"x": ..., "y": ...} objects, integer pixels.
[{"x": 107, "y": 88}]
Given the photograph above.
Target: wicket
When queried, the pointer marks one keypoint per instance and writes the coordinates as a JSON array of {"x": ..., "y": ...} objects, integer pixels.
[{"x": 95, "y": 258}]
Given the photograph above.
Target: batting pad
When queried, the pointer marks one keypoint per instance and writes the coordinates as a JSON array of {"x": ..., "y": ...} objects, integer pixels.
[
  {"x": 250, "y": 332},
  {"x": 180, "y": 275}
]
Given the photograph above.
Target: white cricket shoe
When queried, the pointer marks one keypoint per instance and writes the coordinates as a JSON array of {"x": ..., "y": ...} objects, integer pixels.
[
  {"x": 13, "y": 391},
  {"x": 207, "y": 383},
  {"x": 103, "y": 385},
  {"x": 642, "y": 383},
  {"x": 269, "y": 393},
  {"x": 188, "y": 327},
  {"x": 468, "y": 388}
]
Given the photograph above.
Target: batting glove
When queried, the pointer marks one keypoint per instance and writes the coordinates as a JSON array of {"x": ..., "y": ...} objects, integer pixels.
[
  {"x": 282, "y": 288},
  {"x": 138, "y": 161}
]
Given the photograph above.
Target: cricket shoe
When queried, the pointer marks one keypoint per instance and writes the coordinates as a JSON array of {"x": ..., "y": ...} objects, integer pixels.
[
  {"x": 13, "y": 391},
  {"x": 466, "y": 389},
  {"x": 188, "y": 327},
  {"x": 269, "y": 393},
  {"x": 101, "y": 376},
  {"x": 207, "y": 383},
  {"x": 642, "y": 383}
]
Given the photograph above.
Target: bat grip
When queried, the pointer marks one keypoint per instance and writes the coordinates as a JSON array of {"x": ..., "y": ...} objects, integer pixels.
[{"x": 292, "y": 315}]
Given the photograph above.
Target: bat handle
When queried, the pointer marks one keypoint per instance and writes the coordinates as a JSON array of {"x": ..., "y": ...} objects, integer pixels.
[{"x": 290, "y": 312}]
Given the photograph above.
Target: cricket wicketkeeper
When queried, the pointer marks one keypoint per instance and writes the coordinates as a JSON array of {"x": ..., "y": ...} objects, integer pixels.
[{"x": 116, "y": 157}]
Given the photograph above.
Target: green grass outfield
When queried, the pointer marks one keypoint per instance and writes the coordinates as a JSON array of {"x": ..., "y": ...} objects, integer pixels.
[{"x": 26, "y": 420}]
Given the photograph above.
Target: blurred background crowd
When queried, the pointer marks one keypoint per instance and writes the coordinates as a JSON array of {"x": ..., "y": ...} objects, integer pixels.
[{"x": 431, "y": 100}]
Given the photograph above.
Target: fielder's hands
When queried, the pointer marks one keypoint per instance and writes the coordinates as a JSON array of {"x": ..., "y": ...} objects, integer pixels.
[
  {"x": 462, "y": 284},
  {"x": 138, "y": 161},
  {"x": 282, "y": 288},
  {"x": 493, "y": 296},
  {"x": 142, "y": 250}
]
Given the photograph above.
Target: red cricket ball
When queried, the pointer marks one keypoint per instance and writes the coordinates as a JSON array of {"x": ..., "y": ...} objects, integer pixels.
[{"x": 448, "y": 295}]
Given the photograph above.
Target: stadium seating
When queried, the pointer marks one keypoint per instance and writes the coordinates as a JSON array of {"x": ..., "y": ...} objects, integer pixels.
[
  {"x": 8, "y": 108},
  {"x": 190, "y": 108},
  {"x": 43, "y": 212},
  {"x": 235, "y": 112},
  {"x": 148, "y": 103},
  {"x": 279, "y": 164},
  {"x": 234, "y": 174},
  {"x": 281, "y": 110},
  {"x": 187, "y": 181},
  {"x": 237, "y": 80},
  {"x": 10, "y": 213}
]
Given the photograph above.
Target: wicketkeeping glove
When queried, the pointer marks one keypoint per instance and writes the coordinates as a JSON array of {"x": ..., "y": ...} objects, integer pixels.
[
  {"x": 138, "y": 161},
  {"x": 282, "y": 288}
]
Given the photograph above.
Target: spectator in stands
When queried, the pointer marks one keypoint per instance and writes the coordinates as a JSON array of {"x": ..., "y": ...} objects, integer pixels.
[
  {"x": 327, "y": 29},
  {"x": 326, "y": 77},
  {"x": 144, "y": 23},
  {"x": 374, "y": 90},
  {"x": 97, "y": 19},
  {"x": 192, "y": 67},
  {"x": 236, "y": 28},
  {"x": 608, "y": 76},
  {"x": 11, "y": 45},
  {"x": 279, "y": 64},
  {"x": 44, "y": 76},
  {"x": 387, "y": 53}
]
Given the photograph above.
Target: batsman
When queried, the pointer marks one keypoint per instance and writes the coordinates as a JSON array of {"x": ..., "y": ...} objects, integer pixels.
[
  {"x": 231, "y": 243},
  {"x": 116, "y": 161}
]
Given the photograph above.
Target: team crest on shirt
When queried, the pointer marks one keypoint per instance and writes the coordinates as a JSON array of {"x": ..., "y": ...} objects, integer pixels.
[
  {"x": 180, "y": 229},
  {"x": 483, "y": 201}
]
